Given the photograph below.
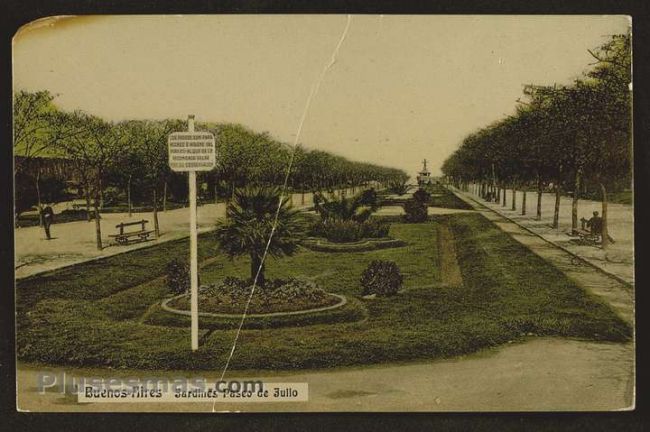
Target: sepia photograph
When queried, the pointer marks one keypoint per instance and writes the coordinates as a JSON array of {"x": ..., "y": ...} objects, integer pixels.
[{"x": 324, "y": 213}]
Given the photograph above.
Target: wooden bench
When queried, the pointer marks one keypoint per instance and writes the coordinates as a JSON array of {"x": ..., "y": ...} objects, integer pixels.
[
  {"x": 123, "y": 237},
  {"x": 587, "y": 236}
]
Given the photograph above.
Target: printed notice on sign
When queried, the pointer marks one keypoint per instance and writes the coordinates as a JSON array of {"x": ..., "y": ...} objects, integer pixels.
[{"x": 191, "y": 151}]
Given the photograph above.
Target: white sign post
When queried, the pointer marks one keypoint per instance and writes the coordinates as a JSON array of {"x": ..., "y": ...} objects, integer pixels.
[{"x": 191, "y": 152}]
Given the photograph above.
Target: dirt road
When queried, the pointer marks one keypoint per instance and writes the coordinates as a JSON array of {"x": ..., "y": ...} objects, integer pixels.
[{"x": 539, "y": 374}]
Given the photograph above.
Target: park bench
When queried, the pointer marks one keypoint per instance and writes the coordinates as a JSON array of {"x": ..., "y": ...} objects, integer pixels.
[
  {"x": 586, "y": 235},
  {"x": 123, "y": 237}
]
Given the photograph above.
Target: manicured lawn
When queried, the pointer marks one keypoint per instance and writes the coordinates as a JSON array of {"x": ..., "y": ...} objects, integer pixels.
[
  {"x": 93, "y": 314},
  {"x": 442, "y": 197}
]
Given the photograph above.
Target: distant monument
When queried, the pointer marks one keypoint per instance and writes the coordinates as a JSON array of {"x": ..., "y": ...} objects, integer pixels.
[{"x": 424, "y": 176}]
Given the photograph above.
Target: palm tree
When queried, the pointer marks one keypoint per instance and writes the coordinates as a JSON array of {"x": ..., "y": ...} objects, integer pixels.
[
  {"x": 358, "y": 208},
  {"x": 254, "y": 223}
]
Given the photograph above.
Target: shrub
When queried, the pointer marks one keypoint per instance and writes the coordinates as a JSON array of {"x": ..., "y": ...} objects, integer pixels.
[
  {"x": 415, "y": 211},
  {"x": 369, "y": 198},
  {"x": 343, "y": 231},
  {"x": 113, "y": 196},
  {"x": 177, "y": 276},
  {"x": 27, "y": 220},
  {"x": 338, "y": 231},
  {"x": 398, "y": 187},
  {"x": 421, "y": 196},
  {"x": 374, "y": 228},
  {"x": 382, "y": 278},
  {"x": 343, "y": 208}
]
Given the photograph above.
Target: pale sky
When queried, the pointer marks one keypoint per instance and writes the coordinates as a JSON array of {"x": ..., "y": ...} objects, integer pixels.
[{"x": 403, "y": 88}]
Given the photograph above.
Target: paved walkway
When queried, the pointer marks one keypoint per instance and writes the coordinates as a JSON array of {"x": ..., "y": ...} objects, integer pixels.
[
  {"x": 617, "y": 260},
  {"x": 617, "y": 294},
  {"x": 74, "y": 242},
  {"x": 541, "y": 374}
]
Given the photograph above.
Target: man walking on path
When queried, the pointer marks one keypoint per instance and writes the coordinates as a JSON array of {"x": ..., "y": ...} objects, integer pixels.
[{"x": 48, "y": 219}]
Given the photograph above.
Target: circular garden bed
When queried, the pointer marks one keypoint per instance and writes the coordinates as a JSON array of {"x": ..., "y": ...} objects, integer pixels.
[
  {"x": 279, "y": 303},
  {"x": 320, "y": 244}
]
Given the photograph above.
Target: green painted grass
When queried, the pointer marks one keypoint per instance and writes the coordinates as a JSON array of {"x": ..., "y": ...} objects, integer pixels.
[{"x": 91, "y": 315}]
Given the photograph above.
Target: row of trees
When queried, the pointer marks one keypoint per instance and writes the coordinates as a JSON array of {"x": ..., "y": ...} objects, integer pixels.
[
  {"x": 564, "y": 138},
  {"x": 130, "y": 157}
]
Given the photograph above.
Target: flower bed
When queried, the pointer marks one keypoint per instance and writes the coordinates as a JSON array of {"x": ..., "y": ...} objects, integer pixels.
[
  {"x": 323, "y": 245},
  {"x": 348, "y": 309},
  {"x": 348, "y": 231},
  {"x": 231, "y": 295}
]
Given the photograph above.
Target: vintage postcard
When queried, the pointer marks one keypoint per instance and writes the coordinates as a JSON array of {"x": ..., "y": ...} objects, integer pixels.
[{"x": 324, "y": 213}]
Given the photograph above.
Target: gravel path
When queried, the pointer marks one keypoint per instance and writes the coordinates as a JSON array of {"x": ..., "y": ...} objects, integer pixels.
[
  {"x": 74, "y": 242},
  {"x": 541, "y": 374}
]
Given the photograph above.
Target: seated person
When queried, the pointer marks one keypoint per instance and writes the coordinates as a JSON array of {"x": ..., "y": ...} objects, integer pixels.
[{"x": 596, "y": 226}]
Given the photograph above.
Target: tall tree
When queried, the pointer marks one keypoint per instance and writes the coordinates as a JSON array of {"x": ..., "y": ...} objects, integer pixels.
[{"x": 92, "y": 145}]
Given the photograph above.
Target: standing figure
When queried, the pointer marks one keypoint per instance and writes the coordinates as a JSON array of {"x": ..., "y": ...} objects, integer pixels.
[{"x": 48, "y": 219}]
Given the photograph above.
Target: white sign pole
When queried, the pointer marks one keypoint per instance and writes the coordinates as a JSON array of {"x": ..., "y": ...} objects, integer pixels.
[
  {"x": 194, "y": 268},
  {"x": 191, "y": 152}
]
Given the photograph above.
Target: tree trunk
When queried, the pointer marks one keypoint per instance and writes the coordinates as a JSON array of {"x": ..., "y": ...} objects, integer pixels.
[
  {"x": 539, "y": 198},
  {"x": 302, "y": 195},
  {"x": 256, "y": 265},
  {"x": 38, "y": 198},
  {"x": 556, "y": 211},
  {"x": 574, "y": 200},
  {"x": 505, "y": 192},
  {"x": 156, "y": 226},
  {"x": 98, "y": 224},
  {"x": 523, "y": 203},
  {"x": 216, "y": 195},
  {"x": 87, "y": 187},
  {"x": 101, "y": 194},
  {"x": 165, "y": 196},
  {"x": 128, "y": 196},
  {"x": 605, "y": 231},
  {"x": 514, "y": 198}
]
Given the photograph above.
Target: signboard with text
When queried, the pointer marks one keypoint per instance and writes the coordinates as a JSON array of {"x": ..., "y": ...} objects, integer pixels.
[{"x": 191, "y": 151}]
